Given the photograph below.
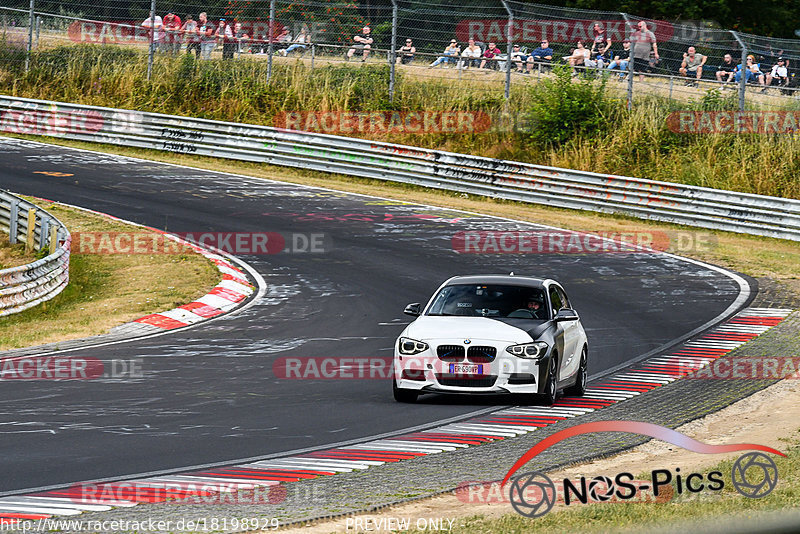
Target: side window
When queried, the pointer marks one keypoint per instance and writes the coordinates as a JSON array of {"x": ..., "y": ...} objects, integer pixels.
[
  {"x": 564, "y": 300},
  {"x": 555, "y": 300}
]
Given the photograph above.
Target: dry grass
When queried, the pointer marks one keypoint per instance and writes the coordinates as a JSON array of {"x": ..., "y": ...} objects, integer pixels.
[
  {"x": 107, "y": 290},
  {"x": 13, "y": 255}
]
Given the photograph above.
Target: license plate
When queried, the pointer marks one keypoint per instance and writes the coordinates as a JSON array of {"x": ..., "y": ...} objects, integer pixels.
[{"x": 466, "y": 369}]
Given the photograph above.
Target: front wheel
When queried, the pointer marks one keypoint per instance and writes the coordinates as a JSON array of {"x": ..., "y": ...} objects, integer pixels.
[
  {"x": 579, "y": 388},
  {"x": 551, "y": 385},
  {"x": 402, "y": 394}
]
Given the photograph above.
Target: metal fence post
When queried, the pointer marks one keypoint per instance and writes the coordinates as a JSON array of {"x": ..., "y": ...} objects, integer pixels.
[
  {"x": 630, "y": 62},
  {"x": 270, "y": 47},
  {"x": 152, "y": 39},
  {"x": 393, "y": 51},
  {"x": 38, "y": 31},
  {"x": 13, "y": 222},
  {"x": 509, "y": 46},
  {"x": 31, "y": 18},
  {"x": 743, "y": 80}
]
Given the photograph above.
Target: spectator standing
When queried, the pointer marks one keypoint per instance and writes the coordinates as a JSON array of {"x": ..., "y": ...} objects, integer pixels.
[
  {"x": 471, "y": 54},
  {"x": 189, "y": 30},
  {"x": 363, "y": 42},
  {"x": 241, "y": 38},
  {"x": 172, "y": 29},
  {"x": 449, "y": 55},
  {"x": 156, "y": 27},
  {"x": 224, "y": 33},
  {"x": 205, "y": 32},
  {"x": 489, "y": 56},
  {"x": 542, "y": 54},
  {"x": 621, "y": 59},
  {"x": 644, "y": 42},
  {"x": 726, "y": 70},
  {"x": 692, "y": 64},
  {"x": 406, "y": 52},
  {"x": 601, "y": 42}
]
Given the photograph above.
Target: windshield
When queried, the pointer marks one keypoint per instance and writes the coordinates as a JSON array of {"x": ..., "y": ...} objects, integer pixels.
[{"x": 488, "y": 300}]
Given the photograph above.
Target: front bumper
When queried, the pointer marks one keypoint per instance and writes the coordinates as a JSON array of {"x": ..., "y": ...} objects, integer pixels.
[{"x": 426, "y": 372}]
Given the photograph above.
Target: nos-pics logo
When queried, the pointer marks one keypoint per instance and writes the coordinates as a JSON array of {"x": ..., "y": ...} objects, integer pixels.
[{"x": 533, "y": 494}]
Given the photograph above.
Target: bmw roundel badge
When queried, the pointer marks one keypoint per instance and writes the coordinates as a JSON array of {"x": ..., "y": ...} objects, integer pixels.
[{"x": 467, "y": 342}]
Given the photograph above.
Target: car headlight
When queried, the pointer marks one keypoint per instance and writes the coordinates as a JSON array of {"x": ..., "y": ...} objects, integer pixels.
[
  {"x": 410, "y": 346},
  {"x": 528, "y": 350}
]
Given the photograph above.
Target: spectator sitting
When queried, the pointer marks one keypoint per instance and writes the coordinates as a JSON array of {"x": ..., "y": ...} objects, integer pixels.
[
  {"x": 779, "y": 72},
  {"x": 471, "y": 54},
  {"x": 542, "y": 54},
  {"x": 489, "y": 56},
  {"x": 449, "y": 55},
  {"x": 579, "y": 56},
  {"x": 692, "y": 64},
  {"x": 752, "y": 71},
  {"x": 596, "y": 60},
  {"x": 726, "y": 69},
  {"x": 622, "y": 59},
  {"x": 363, "y": 42},
  {"x": 406, "y": 52},
  {"x": 300, "y": 42},
  {"x": 518, "y": 57}
]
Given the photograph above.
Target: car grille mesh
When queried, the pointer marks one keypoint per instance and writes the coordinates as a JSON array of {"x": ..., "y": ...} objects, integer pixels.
[
  {"x": 480, "y": 354},
  {"x": 450, "y": 353}
]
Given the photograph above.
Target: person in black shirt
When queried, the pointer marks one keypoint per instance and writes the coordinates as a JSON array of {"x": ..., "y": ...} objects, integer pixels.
[{"x": 726, "y": 70}]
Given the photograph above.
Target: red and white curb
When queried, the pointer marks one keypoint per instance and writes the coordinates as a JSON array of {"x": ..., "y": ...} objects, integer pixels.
[
  {"x": 226, "y": 296},
  {"x": 642, "y": 377}
]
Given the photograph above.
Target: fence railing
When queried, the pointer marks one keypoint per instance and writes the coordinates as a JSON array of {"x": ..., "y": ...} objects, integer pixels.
[
  {"x": 25, "y": 286},
  {"x": 646, "y": 199},
  {"x": 328, "y": 29}
]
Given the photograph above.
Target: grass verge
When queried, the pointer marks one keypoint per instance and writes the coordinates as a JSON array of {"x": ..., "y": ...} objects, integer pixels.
[
  {"x": 726, "y": 505},
  {"x": 759, "y": 257},
  {"x": 13, "y": 255},
  {"x": 107, "y": 290}
]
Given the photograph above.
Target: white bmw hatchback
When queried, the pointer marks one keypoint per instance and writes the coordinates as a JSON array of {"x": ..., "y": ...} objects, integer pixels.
[{"x": 491, "y": 335}]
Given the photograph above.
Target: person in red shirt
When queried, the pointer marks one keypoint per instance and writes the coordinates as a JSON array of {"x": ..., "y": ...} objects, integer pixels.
[
  {"x": 489, "y": 56},
  {"x": 172, "y": 27}
]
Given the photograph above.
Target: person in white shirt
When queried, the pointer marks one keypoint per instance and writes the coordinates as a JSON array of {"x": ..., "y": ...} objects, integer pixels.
[
  {"x": 472, "y": 54},
  {"x": 158, "y": 30},
  {"x": 779, "y": 72}
]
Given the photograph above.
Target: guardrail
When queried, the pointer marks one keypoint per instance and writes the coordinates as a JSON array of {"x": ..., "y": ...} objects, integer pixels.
[
  {"x": 563, "y": 188},
  {"x": 27, "y": 285}
]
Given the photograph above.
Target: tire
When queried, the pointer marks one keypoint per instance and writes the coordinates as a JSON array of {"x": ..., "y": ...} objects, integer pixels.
[
  {"x": 408, "y": 396},
  {"x": 551, "y": 385},
  {"x": 579, "y": 388}
]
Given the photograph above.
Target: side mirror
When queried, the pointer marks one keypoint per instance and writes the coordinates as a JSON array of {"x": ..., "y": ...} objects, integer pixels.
[
  {"x": 412, "y": 310},
  {"x": 566, "y": 314}
]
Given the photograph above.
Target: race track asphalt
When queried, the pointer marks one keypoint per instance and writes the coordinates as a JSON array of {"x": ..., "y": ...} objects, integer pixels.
[{"x": 209, "y": 394}]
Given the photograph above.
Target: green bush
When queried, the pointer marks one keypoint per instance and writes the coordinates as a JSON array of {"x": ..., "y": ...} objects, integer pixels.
[{"x": 563, "y": 108}]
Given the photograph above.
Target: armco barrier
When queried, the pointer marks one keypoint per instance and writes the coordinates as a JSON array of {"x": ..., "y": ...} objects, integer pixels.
[
  {"x": 28, "y": 285},
  {"x": 647, "y": 199}
]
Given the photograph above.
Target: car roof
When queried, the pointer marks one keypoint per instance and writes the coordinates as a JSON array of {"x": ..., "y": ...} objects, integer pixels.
[{"x": 504, "y": 279}]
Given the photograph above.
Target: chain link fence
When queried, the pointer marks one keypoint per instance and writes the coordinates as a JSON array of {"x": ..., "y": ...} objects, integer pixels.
[{"x": 491, "y": 45}]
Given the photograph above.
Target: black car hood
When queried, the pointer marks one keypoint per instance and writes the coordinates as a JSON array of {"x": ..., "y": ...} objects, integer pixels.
[{"x": 533, "y": 328}]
